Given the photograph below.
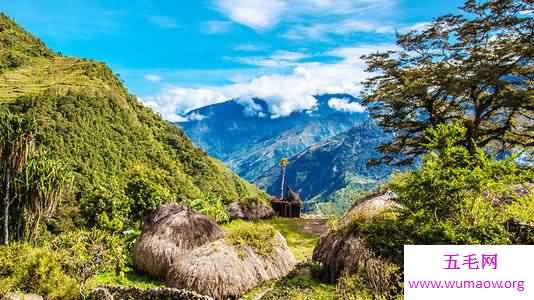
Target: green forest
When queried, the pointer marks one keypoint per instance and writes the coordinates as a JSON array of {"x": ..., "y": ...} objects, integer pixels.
[{"x": 84, "y": 163}]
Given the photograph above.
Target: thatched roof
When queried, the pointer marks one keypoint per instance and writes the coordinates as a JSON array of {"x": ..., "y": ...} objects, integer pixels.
[
  {"x": 370, "y": 206},
  {"x": 249, "y": 211},
  {"x": 221, "y": 270},
  {"x": 168, "y": 234},
  {"x": 341, "y": 251},
  {"x": 292, "y": 196}
]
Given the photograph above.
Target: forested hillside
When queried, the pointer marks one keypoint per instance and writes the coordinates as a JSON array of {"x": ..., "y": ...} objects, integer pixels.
[{"x": 125, "y": 159}]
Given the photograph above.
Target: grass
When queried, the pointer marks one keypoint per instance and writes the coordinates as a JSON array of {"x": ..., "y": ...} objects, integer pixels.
[
  {"x": 300, "y": 242},
  {"x": 126, "y": 280},
  {"x": 60, "y": 73},
  {"x": 299, "y": 285},
  {"x": 257, "y": 235}
]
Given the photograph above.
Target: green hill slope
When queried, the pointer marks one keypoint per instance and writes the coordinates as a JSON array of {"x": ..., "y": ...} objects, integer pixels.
[{"x": 125, "y": 158}]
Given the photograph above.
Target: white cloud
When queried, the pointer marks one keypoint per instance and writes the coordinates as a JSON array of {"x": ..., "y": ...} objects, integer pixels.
[
  {"x": 172, "y": 102},
  {"x": 195, "y": 117},
  {"x": 164, "y": 22},
  {"x": 322, "y": 31},
  {"x": 284, "y": 93},
  {"x": 262, "y": 14},
  {"x": 278, "y": 59},
  {"x": 152, "y": 77},
  {"x": 345, "y": 105},
  {"x": 257, "y": 14},
  {"x": 417, "y": 27},
  {"x": 249, "y": 47},
  {"x": 216, "y": 27}
]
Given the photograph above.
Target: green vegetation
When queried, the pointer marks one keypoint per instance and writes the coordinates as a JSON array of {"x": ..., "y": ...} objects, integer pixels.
[
  {"x": 299, "y": 241},
  {"x": 214, "y": 208},
  {"x": 87, "y": 161},
  {"x": 62, "y": 266},
  {"x": 453, "y": 198},
  {"x": 301, "y": 287},
  {"x": 129, "y": 279},
  {"x": 256, "y": 235},
  {"x": 125, "y": 159},
  {"x": 340, "y": 201},
  {"x": 475, "y": 69},
  {"x": 303, "y": 284},
  {"x": 32, "y": 184}
]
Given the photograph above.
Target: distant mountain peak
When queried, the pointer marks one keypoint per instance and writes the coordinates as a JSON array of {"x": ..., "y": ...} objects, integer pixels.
[{"x": 258, "y": 108}]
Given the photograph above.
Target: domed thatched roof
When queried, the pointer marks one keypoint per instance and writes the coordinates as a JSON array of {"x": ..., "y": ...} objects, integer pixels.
[
  {"x": 341, "y": 251},
  {"x": 168, "y": 234},
  {"x": 249, "y": 211},
  {"x": 370, "y": 206},
  {"x": 223, "y": 271}
]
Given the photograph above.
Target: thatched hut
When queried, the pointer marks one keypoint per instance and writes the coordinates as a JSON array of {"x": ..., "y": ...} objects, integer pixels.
[
  {"x": 341, "y": 251},
  {"x": 250, "y": 210},
  {"x": 171, "y": 232},
  {"x": 224, "y": 271},
  {"x": 288, "y": 207}
]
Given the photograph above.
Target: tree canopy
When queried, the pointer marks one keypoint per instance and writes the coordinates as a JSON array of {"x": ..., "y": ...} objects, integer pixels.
[{"x": 475, "y": 68}]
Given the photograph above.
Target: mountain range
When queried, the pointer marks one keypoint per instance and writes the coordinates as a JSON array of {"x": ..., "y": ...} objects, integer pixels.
[
  {"x": 328, "y": 147},
  {"x": 322, "y": 169}
]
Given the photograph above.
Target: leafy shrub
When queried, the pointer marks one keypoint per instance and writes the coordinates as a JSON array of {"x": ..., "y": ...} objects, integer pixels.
[
  {"x": 444, "y": 200},
  {"x": 146, "y": 190},
  {"x": 36, "y": 270},
  {"x": 62, "y": 267},
  {"x": 522, "y": 209},
  {"x": 351, "y": 287},
  {"x": 212, "y": 207},
  {"x": 256, "y": 235},
  {"x": 86, "y": 249},
  {"x": 447, "y": 199}
]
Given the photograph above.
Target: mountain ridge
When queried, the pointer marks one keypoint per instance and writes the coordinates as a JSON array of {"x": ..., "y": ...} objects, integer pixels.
[
  {"x": 334, "y": 164},
  {"x": 251, "y": 142},
  {"x": 126, "y": 160}
]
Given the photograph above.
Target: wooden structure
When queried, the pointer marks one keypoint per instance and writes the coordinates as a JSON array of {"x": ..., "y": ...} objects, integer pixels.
[{"x": 289, "y": 206}]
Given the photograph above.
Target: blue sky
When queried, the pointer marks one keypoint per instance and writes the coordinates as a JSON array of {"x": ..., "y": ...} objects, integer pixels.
[{"x": 179, "y": 55}]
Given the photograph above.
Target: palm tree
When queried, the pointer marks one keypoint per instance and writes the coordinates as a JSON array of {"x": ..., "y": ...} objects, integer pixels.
[{"x": 283, "y": 165}]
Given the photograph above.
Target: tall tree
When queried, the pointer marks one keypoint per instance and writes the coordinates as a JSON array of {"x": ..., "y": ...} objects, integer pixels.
[
  {"x": 16, "y": 141},
  {"x": 44, "y": 184},
  {"x": 476, "y": 69},
  {"x": 283, "y": 165},
  {"x": 32, "y": 184}
]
